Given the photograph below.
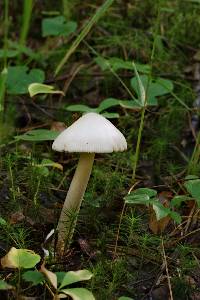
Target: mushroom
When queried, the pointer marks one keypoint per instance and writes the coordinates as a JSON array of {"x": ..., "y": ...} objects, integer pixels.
[{"x": 90, "y": 134}]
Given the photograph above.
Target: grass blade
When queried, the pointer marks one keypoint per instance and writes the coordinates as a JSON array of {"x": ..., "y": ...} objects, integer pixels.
[{"x": 100, "y": 12}]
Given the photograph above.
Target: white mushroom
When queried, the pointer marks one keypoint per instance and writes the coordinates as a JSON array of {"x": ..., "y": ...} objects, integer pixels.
[{"x": 90, "y": 134}]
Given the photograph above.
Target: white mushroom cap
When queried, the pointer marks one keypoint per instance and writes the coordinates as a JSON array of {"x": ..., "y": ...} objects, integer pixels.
[{"x": 92, "y": 133}]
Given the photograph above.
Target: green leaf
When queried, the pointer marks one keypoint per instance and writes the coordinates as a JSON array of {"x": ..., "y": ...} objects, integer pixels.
[
  {"x": 20, "y": 258},
  {"x": 38, "y": 135},
  {"x": 161, "y": 87},
  {"x": 3, "y": 222},
  {"x": 80, "y": 108},
  {"x": 141, "y": 196},
  {"x": 25, "y": 50},
  {"x": 39, "y": 88},
  {"x": 57, "y": 26},
  {"x": 155, "y": 88},
  {"x": 175, "y": 216},
  {"x": 141, "y": 90},
  {"x": 34, "y": 277},
  {"x": 19, "y": 78},
  {"x": 137, "y": 199},
  {"x": 9, "y": 53},
  {"x": 117, "y": 64},
  {"x": 192, "y": 184},
  {"x": 4, "y": 285},
  {"x": 107, "y": 103},
  {"x": 130, "y": 104},
  {"x": 110, "y": 115},
  {"x": 78, "y": 294},
  {"x": 177, "y": 200},
  {"x": 146, "y": 191},
  {"x": 160, "y": 210},
  {"x": 75, "y": 276}
]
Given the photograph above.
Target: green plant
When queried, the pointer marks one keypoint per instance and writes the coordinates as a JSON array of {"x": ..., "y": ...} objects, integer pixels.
[
  {"x": 86, "y": 29},
  {"x": 57, "y": 26},
  {"x": 14, "y": 234},
  {"x": 26, "y": 259},
  {"x": 148, "y": 197},
  {"x": 27, "y": 12}
]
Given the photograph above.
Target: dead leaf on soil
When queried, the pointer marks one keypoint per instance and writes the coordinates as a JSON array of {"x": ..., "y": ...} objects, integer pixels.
[
  {"x": 50, "y": 275},
  {"x": 155, "y": 225},
  {"x": 58, "y": 126}
]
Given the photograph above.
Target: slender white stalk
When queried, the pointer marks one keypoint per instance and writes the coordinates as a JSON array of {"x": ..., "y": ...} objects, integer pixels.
[{"x": 68, "y": 216}]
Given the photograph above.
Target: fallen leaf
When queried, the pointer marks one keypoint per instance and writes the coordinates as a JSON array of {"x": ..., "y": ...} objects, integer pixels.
[
  {"x": 50, "y": 275},
  {"x": 58, "y": 126}
]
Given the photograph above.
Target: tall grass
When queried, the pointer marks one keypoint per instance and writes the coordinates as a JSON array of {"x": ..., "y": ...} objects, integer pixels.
[
  {"x": 26, "y": 17},
  {"x": 3, "y": 74},
  {"x": 86, "y": 29}
]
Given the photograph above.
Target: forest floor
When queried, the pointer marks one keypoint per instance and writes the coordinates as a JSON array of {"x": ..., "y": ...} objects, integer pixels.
[{"x": 138, "y": 64}]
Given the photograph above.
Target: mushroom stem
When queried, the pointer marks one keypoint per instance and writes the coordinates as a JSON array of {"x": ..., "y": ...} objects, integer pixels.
[{"x": 68, "y": 216}]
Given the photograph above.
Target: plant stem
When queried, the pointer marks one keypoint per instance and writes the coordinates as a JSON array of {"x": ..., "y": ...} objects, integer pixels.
[
  {"x": 71, "y": 207},
  {"x": 3, "y": 75},
  {"x": 66, "y": 5},
  {"x": 195, "y": 156},
  {"x": 27, "y": 11}
]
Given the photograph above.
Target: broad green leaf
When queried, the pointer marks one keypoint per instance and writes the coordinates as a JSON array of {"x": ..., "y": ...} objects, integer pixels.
[
  {"x": 20, "y": 258},
  {"x": 130, "y": 104},
  {"x": 175, "y": 216},
  {"x": 102, "y": 62},
  {"x": 38, "y": 135},
  {"x": 78, "y": 294},
  {"x": 192, "y": 184},
  {"x": 160, "y": 210},
  {"x": 25, "y": 50},
  {"x": 4, "y": 285},
  {"x": 80, "y": 108},
  {"x": 3, "y": 222},
  {"x": 137, "y": 199},
  {"x": 161, "y": 87},
  {"x": 110, "y": 115},
  {"x": 117, "y": 63},
  {"x": 75, "y": 276},
  {"x": 19, "y": 78},
  {"x": 146, "y": 191},
  {"x": 57, "y": 26},
  {"x": 140, "y": 196},
  {"x": 141, "y": 90},
  {"x": 9, "y": 53},
  {"x": 60, "y": 276},
  {"x": 35, "y": 277},
  {"x": 107, "y": 103},
  {"x": 39, "y": 88},
  {"x": 177, "y": 200},
  {"x": 155, "y": 88}
]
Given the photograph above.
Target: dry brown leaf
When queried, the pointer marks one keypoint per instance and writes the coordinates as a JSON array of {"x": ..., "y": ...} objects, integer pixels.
[
  {"x": 58, "y": 126},
  {"x": 50, "y": 275},
  {"x": 159, "y": 226}
]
